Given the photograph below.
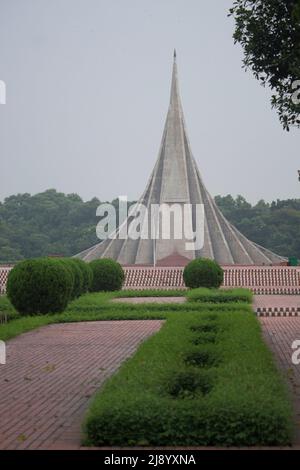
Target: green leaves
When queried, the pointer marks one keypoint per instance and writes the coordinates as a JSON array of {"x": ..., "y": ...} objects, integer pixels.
[
  {"x": 269, "y": 32},
  {"x": 203, "y": 272},
  {"x": 274, "y": 226}
]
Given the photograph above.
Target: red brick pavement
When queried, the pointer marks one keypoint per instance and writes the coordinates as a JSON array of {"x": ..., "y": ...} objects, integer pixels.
[
  {"x": 271, "y": 301},
  {"x": 52, "y": 372},
  {"x": 280, "y": 333}
]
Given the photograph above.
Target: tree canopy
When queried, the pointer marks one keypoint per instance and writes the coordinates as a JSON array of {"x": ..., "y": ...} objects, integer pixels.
[
  {"x": 273, "y": 225},
  {"x": 269, "y": 32},
  {"x": 53, "y": 223},
  {"x": 46, "y": 223}
]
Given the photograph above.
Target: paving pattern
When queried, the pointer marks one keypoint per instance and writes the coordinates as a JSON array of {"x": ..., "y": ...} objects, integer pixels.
[
  {"x": 280, "y": 333},
  {"x": 52, "y": 372},
  {"x": 276, "y": 301},
  {"x": 277, "y": 305}
]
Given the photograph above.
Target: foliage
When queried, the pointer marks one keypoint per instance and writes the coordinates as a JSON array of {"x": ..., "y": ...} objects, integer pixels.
[
  {"x": 7, "y": 311},
  {"x": 219, "y": 296},
  {"x": 188, "y": 383},
  {"x": 151, "y": 293},
  {"x": 77, "y": 275},
  {"x": 39, "y": 286},
  {"x": 274, "y": 226},
  {"x": 108, "y": 275},
  {"x": 269, "y": 32},
  {"x": 48, "y": 223},
  {"x": 53, "y": 223},
  {"x": 158, "y": 398},
  {"x": 87, "y": 274},
  {"x": 203, "y": 272},
  {"x": 98, "y": 306}
]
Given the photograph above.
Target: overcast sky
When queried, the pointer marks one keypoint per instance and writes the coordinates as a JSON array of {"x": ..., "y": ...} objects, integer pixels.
[{"x": 88, "y": 86}]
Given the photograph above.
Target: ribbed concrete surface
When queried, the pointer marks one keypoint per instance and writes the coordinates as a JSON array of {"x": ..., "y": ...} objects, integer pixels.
[{"x": 176, "y": 180}]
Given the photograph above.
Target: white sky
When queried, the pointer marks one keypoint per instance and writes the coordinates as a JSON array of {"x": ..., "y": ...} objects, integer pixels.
[{"x": 87, "y": 94}]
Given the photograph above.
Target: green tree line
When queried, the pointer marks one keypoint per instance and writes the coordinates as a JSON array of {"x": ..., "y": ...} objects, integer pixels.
[{"x": 53, "y": 223}]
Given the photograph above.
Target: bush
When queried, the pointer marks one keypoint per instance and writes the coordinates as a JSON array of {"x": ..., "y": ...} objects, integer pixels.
[
  {"x": 39, "y": 286},
  {"x": 203, "y": 272},
  {"x": 65, "y": 263},
  {"x": 189, "y": 383},
  {"x": 205, "y": 328},
  {"x": 87, "y": 274},
  {"x": 202, "y": 358},
  {"x": 108, "y": 275},
  {"x": 203, "y": 294},
  {"x": 77, "y": 277},
  {"x": 7, "y": 311},
  {"x": 204, "y": 338}
]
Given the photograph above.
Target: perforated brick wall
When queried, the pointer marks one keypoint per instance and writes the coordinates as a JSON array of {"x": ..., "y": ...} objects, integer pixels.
[{"x": 260, "y": 279}]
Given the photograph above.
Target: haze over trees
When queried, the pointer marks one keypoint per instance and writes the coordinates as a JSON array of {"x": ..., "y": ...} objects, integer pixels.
[
  {"x": 269, "y": 32},
  {"x": 63, "y": 224}
]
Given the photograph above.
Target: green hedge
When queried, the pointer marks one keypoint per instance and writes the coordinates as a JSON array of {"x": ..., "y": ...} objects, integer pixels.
[
  {"x": 46, "y": 285},
  {"x": 39, "y": 286},
  {"x": 108, "y": 275},
  {"x": 152, "y": 293},
  {"x": 87, "y": 274},
  {"x": 202, "y": 272},
  {"x": 7, "y": 311},
  {"x": 203, "y": 294},
  {"x": 78, "y": 277},
  {"x": 229, "y": 394}
]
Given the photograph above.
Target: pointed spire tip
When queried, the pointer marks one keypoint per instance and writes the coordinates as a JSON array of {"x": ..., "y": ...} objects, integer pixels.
[{"x": 175, "y": 55}]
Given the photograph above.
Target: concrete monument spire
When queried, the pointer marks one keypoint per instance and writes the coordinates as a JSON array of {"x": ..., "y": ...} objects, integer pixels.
[{"x": 177, "y": 180}]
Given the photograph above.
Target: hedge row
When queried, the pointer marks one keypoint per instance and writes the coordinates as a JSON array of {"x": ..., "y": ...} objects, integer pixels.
[
  {"x": 203, "y": 294},
  {"x": 217, "y": 386},
  {"x": 47, "y": 285}
]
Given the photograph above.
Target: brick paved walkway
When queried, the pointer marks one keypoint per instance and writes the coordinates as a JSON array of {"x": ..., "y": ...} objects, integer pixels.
[
  {"x": 271, "y": 301},
  {"x": 279, "y": 334},
  {"x": 51, "y": 374}
]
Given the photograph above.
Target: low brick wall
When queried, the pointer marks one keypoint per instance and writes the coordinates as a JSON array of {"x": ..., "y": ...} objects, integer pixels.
[{"x": 260, "y": 279}]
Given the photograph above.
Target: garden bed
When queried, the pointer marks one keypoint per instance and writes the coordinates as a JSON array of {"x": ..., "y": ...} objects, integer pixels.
[{"x": 205, "y": 379}]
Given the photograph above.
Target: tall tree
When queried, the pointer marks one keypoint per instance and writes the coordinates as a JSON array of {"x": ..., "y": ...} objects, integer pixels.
[{"x": 269, "y": 32}]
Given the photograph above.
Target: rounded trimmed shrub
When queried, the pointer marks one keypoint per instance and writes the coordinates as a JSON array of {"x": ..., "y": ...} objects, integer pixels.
[
  {"x": 189, "y": 383},
  {"x": 208, "y": 327},
  {"x": 87, "y": 274},
  {"x": 204, "y": 338},
  {"x": 108, "y": 275},
  {"x": 78, "y": 277},
  {"x": 203, "y": 272},
  {"x": 39, "y": 286},
  {"x": 68, "y": 267},
  {"x": 202, "y": 358}
]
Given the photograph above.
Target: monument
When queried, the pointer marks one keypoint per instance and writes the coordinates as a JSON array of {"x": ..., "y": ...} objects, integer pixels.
[{"x": 176, "y": 180}]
